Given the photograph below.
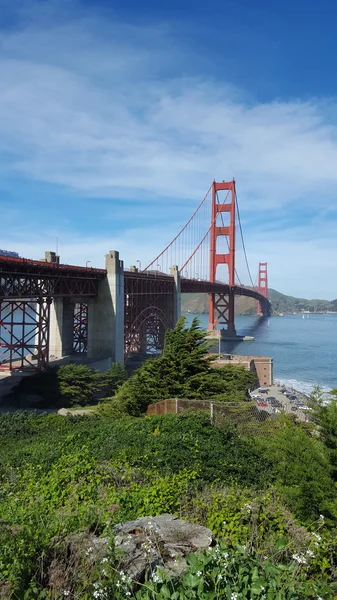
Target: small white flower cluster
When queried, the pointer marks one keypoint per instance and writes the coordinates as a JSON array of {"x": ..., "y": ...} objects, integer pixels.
[
  {"x": 310, "y": 553},
  {"x": 199, "y": 573},
  {"x": 99, "y": 592},
  {"x": 151, "y": 527},
  {"x": 147, "y": 546},
  {"x": 318, "y": 537},
  {"x": 234, "y": 596},
  {"x": 89, "y": 551},
  {"x": 66, "y": 593},
  {"x": 300, "y": 559},
  {"x": 246, "y": 509},
  {"x": 321, "y": 518}
]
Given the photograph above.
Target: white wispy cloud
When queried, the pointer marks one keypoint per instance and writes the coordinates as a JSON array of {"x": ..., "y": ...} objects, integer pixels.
[
  {"x": 104, "y": 108},
  {"x": 94, "y": 113}
]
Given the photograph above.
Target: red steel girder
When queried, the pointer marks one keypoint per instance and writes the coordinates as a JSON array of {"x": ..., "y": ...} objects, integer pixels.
[{"x": 24, "y": 334}]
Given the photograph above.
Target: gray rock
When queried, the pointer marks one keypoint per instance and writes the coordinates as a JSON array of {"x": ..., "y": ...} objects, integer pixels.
[{"x": 164, "y": 541}]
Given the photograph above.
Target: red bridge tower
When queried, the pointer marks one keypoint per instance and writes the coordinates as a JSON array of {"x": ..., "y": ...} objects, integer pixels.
[
  {"x": 262, "y": 285},
  {"x": 221, "y": 307}
]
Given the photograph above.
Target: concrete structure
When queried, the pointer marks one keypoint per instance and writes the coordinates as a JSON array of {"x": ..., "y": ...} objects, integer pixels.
[
  {"x": 61, "y": 327},
  {"x": 261, "y": 365},
  {"x": 106, "y": 313},
  {"x": 105, "y": 318},
  {"x": 174, "y": 271}
]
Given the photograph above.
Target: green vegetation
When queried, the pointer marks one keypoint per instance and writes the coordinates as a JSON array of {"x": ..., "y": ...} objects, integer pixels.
[
  {"x": 198, "y": 303},
  {"x": 269, "y": 496},
  {"x": 184, "y": 371},
  {"x": 68, "y": 385}
]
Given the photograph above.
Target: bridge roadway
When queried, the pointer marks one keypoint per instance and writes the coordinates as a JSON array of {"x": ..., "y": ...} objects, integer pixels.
[{"x": 26, "y": 278}]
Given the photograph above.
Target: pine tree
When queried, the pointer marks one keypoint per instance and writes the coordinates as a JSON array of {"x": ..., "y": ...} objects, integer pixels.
[{"x": 184, "y": 370}]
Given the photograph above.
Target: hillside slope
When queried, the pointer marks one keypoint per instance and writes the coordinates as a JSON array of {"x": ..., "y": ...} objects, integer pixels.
[{"x": 198, "y": 303}]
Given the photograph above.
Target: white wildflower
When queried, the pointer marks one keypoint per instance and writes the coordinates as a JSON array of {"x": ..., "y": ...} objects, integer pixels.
[
  {"x": 96, "y": 585},
  {"x": 310, "y": 553},
  {"x": 199, "y": 573},
  {"x": 316, "y": 544},
  {"x": 247, "y": 508},
  {"x": 104, "y": 560},
  {"x": 318, "y": 537},
  {"x": 66, "y": 593},
  {"x": 225, "y": 555},
  {"x": 300, "y": 559},
  {"x": 234, "y": 596},
  {"x": 321, "y": 517},
  {"x": 128, "y": 593},
  {"x": 220, "y": 577},
  {"x": 156, "y": 578},
  {"x": 224, "y": 522},
  {"x": 89, "y": 551},
  {"x": 243, "y": 547},
  {"x": 262, "y": 588}
]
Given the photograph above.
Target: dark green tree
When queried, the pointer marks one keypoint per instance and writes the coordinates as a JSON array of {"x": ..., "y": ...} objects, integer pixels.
[
  {"x": 325, "y": 417},
  {"x": 78, "y": 384},
  {"x": 114, "y": 378},
  {"x": 184, "y": 370}
]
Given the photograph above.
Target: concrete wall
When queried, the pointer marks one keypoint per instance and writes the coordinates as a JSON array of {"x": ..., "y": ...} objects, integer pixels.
[
  {"x": 61, "y": 327},
  {"x": 262, "y": 365},
  {"x": 106, "y": 314}
]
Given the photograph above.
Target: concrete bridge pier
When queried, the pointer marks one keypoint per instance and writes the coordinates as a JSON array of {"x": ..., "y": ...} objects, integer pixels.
[
  {"x": 106, "y": 313},
  {"x": 174, "y": 271},
  {"x": 61, "y": 327}
]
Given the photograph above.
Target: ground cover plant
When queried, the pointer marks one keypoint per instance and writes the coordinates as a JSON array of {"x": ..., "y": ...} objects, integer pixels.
[{"x": 269, "y": 497}]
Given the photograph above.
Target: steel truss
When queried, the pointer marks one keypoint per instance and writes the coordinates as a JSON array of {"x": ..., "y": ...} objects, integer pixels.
[
  {"x": 24, "y": 334},
  {"x": 14, "y": 285},
  {"x": 149, "y": 311},
  {"x": 224, "y": 309},
  {"x": 80, "y": 337}
]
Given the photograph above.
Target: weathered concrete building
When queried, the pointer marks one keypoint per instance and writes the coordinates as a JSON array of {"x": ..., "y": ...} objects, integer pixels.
[{"x": 261, "y": 365}]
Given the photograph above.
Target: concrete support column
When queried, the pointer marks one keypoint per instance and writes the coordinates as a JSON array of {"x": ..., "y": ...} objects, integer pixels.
[
  {"x": 177, "y": 295},
  {"x": 231, "y": 312},
  {"x": 61, "y": 327},
  {"x": 106, "y": 313}
]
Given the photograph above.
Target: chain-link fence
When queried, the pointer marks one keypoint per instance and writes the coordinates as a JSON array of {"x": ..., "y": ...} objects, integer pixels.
[{"x": 246, "y": 417}]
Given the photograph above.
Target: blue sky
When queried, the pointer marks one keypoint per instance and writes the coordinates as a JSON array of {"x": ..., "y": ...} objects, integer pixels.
[{"x": 116, "y": 116}]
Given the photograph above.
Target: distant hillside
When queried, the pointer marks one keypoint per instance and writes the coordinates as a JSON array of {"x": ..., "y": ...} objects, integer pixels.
[{"x": 198, "y": 303}]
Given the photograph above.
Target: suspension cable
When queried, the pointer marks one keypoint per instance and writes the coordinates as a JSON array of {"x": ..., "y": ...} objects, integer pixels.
[
  {"x": 180, "y": 232},
  {"x": 243, "y": 242}
]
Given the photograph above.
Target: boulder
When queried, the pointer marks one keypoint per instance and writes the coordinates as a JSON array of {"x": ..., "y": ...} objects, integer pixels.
[{"x": 163, "y": 541}]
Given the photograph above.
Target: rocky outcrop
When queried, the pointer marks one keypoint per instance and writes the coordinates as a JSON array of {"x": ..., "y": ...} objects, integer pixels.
[{"x": 164, "y": 541}]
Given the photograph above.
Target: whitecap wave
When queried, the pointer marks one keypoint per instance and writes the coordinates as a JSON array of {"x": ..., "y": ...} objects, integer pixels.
[{"x": 303, "y": 386}]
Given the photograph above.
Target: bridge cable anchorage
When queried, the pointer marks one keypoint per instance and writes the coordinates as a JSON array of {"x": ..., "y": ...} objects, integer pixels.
[
  {"x": 223, "y": 224},
  {"x": 172, "y": 244},
  {"x": 243, "y": 242}
]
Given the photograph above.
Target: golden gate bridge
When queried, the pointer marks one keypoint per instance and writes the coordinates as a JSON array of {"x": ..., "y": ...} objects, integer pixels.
[{"x": 48, "y": 308}]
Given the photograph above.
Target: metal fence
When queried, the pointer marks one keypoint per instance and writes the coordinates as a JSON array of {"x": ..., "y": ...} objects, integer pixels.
[{"x": 245, "y": 417}]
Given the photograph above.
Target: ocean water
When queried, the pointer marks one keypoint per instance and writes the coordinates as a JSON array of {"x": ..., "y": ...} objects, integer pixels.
[{"x": 304, "y": 350}]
